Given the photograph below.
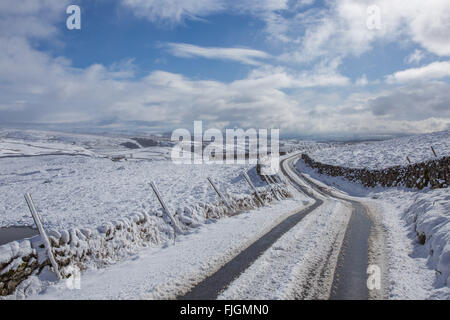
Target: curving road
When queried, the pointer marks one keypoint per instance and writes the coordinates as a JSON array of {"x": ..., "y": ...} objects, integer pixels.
[
  {"x": 350, "y": 277},
  {"x": 349, "y": 281}
]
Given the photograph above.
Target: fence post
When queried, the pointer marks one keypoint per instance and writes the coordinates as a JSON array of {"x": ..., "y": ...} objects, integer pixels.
[
  {"x": 165, "y": 208},
  {"x": 219, "y": 194},
  {"x": 270, "y": 183},
  {"x": 279, "y": 182},
  {"x": 246, "y": 177},
  {"x": 47, "y": 245},
  {"x": 277, "y": 186},
  {"x": 409, "y": 161},
  {"x": 432, "y": 149}
]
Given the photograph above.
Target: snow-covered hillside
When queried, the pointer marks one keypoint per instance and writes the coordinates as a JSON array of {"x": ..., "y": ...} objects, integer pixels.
[
  {"x": 383, "y": 154},
  {"x": 75, "y": 184},
  {"x": 14, "y": 143}
]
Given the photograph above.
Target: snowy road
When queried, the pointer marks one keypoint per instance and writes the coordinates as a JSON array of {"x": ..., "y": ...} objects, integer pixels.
[
  {"x": 350, "y": 275},
  {"x": 348, "y": 281},
  {"x": 295, "y": 249}
]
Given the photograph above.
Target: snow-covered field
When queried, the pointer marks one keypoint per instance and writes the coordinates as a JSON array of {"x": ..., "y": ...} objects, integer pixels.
[
  {"x": 387, "y": 153},
  {"x": 413, "y": 270},
  {"x": 87, "y": 189}
]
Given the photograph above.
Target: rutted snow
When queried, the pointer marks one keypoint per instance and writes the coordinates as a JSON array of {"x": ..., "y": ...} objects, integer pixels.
[
  {"x": 388, "y": 153},
  {"x": 284, "y": 271}
]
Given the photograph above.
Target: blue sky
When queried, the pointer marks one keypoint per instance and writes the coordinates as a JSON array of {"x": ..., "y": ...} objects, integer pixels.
[
  {"x": 112, "y": 33},
  {"x": 307, "y": 67}
]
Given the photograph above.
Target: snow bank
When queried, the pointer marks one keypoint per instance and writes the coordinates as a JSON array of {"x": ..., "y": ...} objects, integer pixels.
[
  {"x": 17, "y": 261},
  {"x": 430, "y": 216}
]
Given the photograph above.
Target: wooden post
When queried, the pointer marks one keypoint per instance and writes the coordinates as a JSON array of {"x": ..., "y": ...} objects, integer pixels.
[
  {"x": 246, "y": 177},
  {"x": 221, "y": 196},
  {"x": 432, "y": 149},
  {"x": 269, "y": 182},
  {"x": 47, "y": 245},
  {"x": 278, "y": 188},
  {"x": 165, "y": 209},
  {"x": 409, "y": 161}
]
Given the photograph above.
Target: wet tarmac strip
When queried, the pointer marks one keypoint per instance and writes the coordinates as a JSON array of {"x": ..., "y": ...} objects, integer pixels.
[{"x": 350, "y": 276}]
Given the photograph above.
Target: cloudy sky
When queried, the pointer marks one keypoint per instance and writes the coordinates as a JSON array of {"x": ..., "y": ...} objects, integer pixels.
[{"x": 304, "y": 66}]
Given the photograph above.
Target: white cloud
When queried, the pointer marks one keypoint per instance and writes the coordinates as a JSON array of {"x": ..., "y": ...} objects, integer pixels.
[
  {"x": 34, "y": 86},
  {"x": 31, "y": 18},
  {"x": 37, "y": 87},
  {"x": 176, "y": 11},
  {"x": 362, "y": 81},
  {"x": 415, "y": 57},
  {"x": 413, "y": 102},
  {"x": 43, "y": 89},
  {"x": 268, "y": 77},
  {"x": 310, "y": 33},
  {"x": 173, "y": 11},
  {"x": 246, "y": 56},
  {"x": 341, "y": 29},
  {"x": 435, "y": 70}
]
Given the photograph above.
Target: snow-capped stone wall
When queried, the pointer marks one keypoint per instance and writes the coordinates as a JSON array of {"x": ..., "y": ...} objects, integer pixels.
[
  {"x": 109, "y": 243},
  {"x": 433, "y": 173}
]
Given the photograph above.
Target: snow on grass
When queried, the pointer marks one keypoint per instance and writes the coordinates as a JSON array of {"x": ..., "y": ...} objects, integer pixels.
[
  {"x": 388, "y": 153},
  {"x": 75, "y": 185},
  {"x": 84, "y": 191},
  {"x": 414, "y": 270}
]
